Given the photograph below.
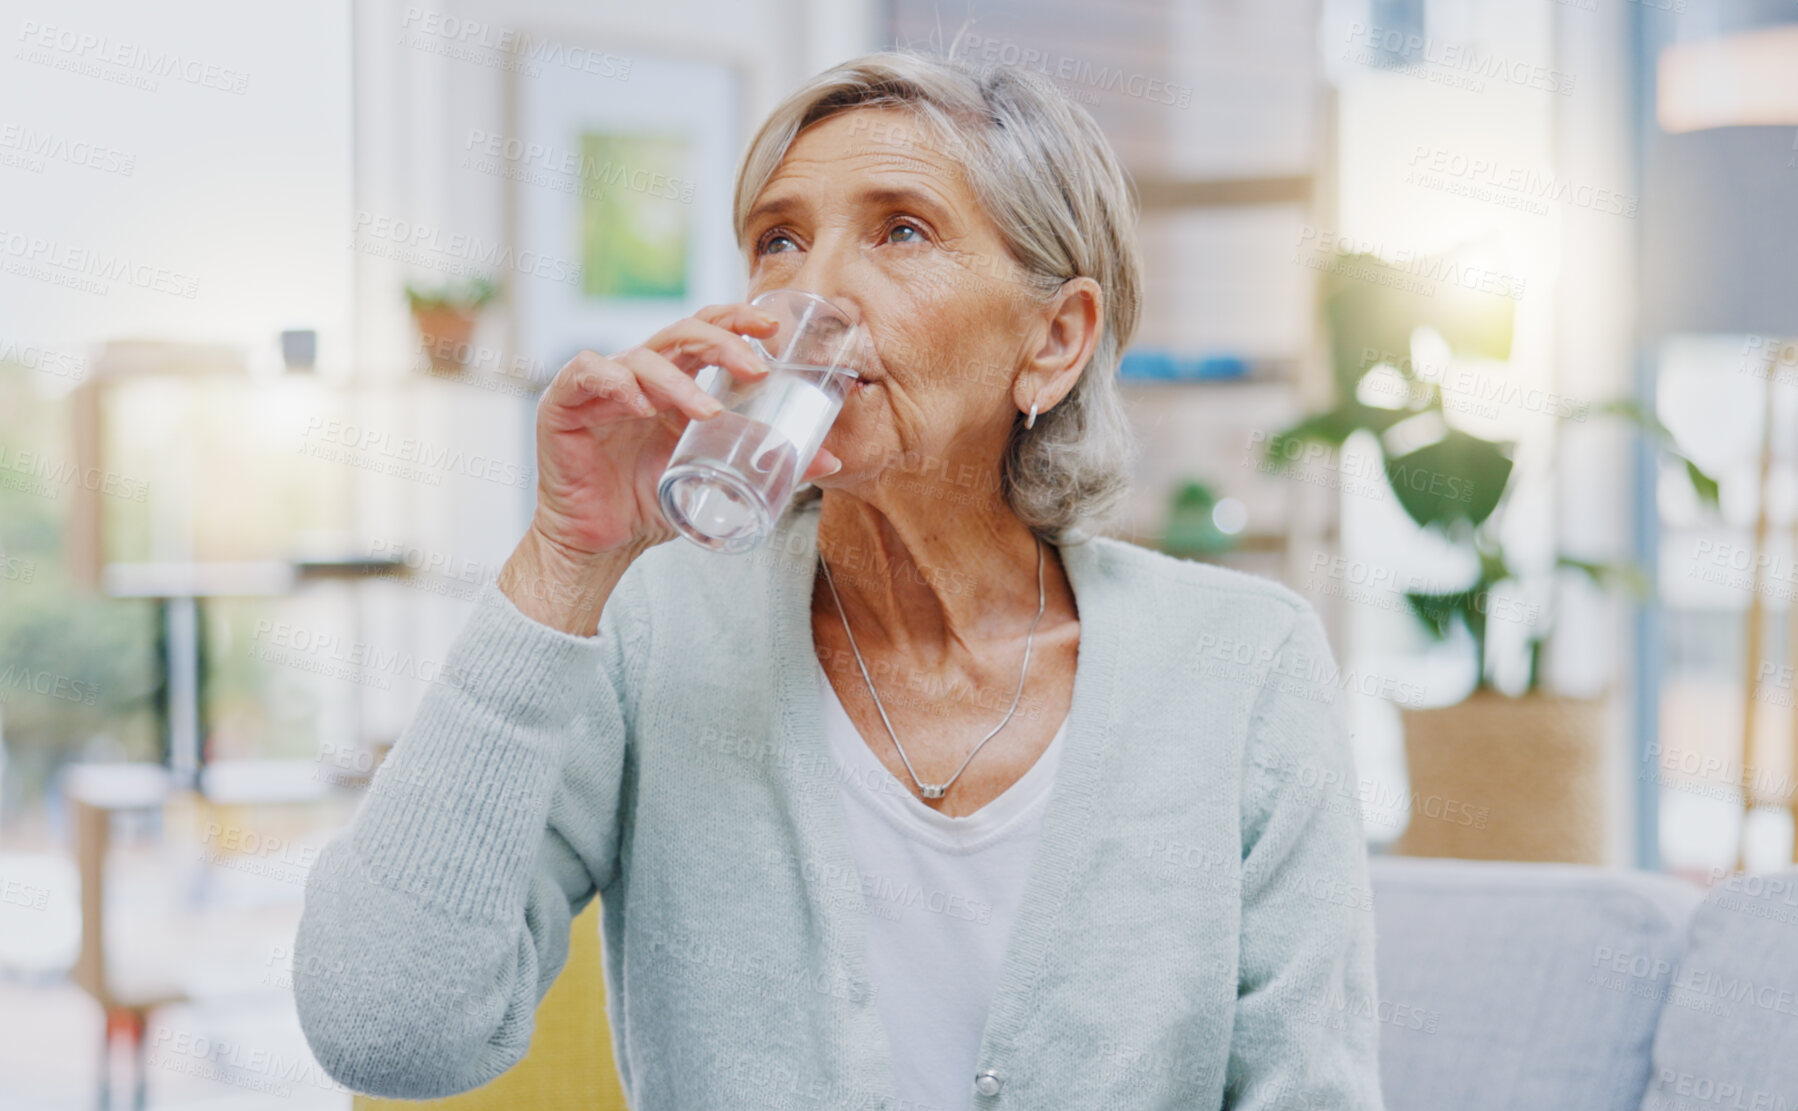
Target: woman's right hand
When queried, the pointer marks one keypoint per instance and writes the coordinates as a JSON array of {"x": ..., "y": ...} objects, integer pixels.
[{"x": 606, "y": 427}]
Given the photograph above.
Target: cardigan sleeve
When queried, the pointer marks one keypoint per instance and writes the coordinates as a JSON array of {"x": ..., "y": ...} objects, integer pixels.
[
  {"x": 438, "y": 918},
  {"x": 1306, "y": 1031}
]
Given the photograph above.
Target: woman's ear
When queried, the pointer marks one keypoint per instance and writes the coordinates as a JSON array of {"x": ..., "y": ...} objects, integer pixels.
[{"x": 1074, "y": 321}]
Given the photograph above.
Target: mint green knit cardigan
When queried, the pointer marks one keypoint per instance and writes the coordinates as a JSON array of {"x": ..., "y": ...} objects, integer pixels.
[{"x": 1195, "y": 932}]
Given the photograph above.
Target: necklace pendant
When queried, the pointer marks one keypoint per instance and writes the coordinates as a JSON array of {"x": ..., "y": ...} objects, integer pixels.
[{"x": 936, "y": 790}]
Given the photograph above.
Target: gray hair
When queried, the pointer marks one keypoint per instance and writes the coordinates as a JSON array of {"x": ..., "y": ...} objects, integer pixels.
[{"x": 1047, "y": 177}]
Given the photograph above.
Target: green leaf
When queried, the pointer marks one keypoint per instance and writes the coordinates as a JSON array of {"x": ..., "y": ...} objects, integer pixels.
[
  {"x": 1703, "y": 484},
  {"x": 1332, "y": 427},
  {"x": 1493, "y": 567},
  {"x": 1605, "y": 575},
  {"x": 1631, "y": 410},
  {"x": 1459, "y": 477},
  {"x": 1534, "y": 683},
  {"x": 1368, "y": 322},
  {"x": 465, "y": 295},
  {"x": 1372, "y": 308},
  {"x": 1439, "y": 612}
]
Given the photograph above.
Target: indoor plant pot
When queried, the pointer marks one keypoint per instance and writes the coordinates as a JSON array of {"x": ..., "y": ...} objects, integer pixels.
[
  {"x": 443, "y": 334},
  {"x": 446, "y": 317},
  {"x": 1501, "y": 777},
  {"x": 1511, "y": 774}
]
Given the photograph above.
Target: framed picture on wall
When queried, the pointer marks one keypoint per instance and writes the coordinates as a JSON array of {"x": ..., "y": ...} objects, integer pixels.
[{"x": 627, "y": 183}]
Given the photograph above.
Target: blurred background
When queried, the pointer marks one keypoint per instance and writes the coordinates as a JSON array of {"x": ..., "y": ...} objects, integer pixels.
[{"x": 1476, "y": 321}]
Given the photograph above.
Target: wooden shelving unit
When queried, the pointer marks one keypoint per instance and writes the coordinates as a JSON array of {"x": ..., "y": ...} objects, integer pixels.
[{"x": 1229, "y": 166}]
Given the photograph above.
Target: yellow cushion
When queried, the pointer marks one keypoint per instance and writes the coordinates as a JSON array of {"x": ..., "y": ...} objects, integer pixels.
[{"x": 570, "y": 1061}]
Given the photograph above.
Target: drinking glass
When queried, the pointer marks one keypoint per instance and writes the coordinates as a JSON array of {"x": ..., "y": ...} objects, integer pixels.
[{"x": 732, "y": 476}]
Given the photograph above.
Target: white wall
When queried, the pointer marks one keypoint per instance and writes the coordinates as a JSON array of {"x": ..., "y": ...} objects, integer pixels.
[
  {"x": 1571, "y": 490},
  {"x": 240, "y": 197},
  {"x": 420, "y": 90},
  {"x": 1594, "y": 353}
]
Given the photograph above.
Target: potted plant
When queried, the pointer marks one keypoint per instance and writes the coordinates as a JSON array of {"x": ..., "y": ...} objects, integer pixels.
[
  {"x": 1515, "y": 775},
  {"x": 446, "y": 316},
  {"x": 1191, "y": 530}
]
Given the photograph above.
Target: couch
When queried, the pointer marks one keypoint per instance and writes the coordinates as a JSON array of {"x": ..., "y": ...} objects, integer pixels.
[
  {"x": 1578, "y": 989},
  {"x": 1524, "y": 986},
  {"x": 569, "y": 1066}
]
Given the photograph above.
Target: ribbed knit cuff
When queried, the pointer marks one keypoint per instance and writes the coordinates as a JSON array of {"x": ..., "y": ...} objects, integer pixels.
[{"x": 456, "y": 812}]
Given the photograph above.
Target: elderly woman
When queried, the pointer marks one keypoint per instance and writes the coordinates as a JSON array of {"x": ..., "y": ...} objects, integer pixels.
[{"x": 936, "y": 801}]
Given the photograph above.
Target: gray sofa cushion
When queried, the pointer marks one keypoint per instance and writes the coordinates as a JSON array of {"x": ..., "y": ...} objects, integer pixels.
[
  {"x": 1521, "y": 985},
  {"x": 1728, "y": 1035}
]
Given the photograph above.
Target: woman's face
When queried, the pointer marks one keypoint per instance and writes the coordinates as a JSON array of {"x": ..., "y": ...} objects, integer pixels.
[{"x": 870, "y": 211}]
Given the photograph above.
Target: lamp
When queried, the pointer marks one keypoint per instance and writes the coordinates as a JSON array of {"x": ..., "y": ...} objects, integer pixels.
[
  {"x": 1742, "y": 80},
  {"x": 1720, "y": 249}
]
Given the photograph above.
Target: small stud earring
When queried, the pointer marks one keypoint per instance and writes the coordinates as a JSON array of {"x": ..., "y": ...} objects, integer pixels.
[{"x": 1030, "y": 421}]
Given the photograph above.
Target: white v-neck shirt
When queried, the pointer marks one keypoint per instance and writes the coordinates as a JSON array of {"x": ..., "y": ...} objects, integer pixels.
[{"x": 941, "y": 895}]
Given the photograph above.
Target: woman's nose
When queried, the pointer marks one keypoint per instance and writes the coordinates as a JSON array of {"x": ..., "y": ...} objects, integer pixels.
[{"x": 828, "y": 272}]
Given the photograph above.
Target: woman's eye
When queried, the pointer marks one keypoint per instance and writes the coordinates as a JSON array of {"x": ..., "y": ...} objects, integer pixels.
[
  {"x": 916, "y": 234},
  {"x": 768, "y": 243}
]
